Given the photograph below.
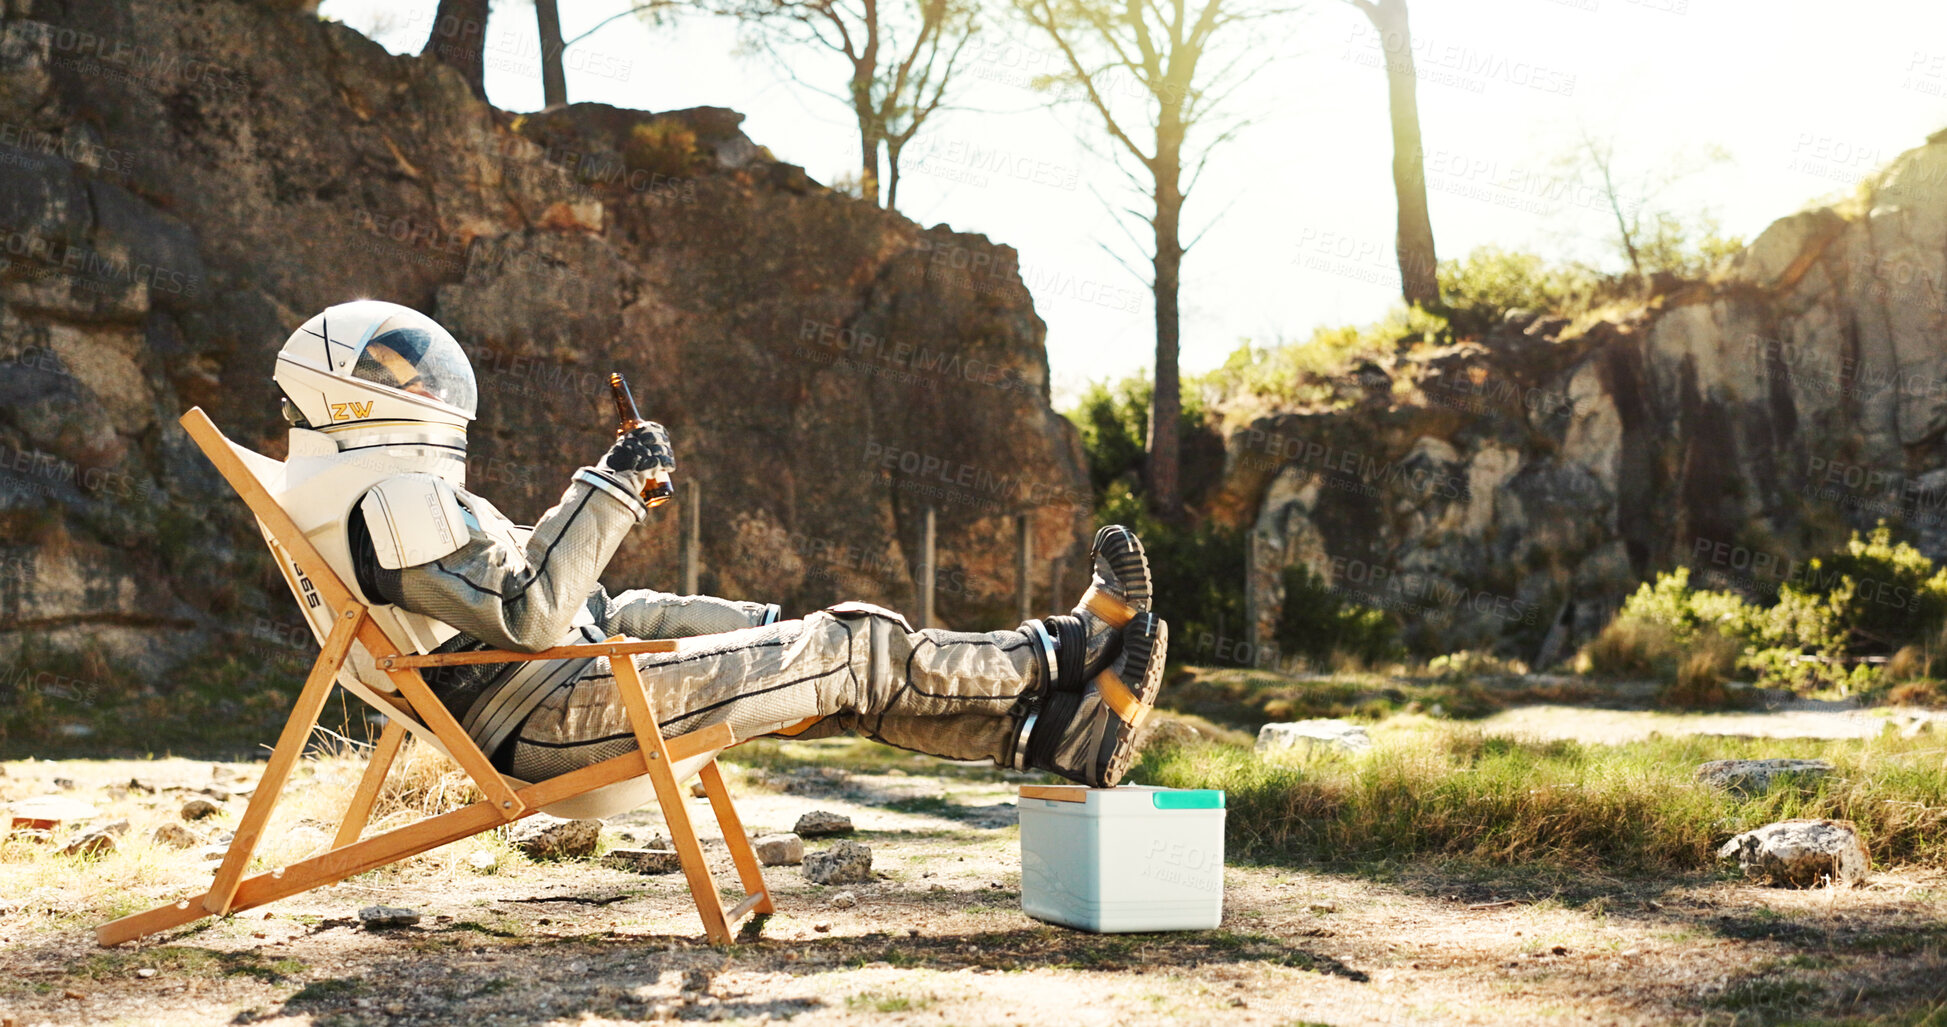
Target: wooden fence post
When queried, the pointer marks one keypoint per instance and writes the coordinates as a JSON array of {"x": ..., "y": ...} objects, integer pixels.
[
  {"x": 692, "y": 538},
  {"x": 926, "y": 568},
  {"x": 1023, "y": 559}
]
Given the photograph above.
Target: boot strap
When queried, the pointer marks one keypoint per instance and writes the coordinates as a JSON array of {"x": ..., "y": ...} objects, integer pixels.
[
  {"x": 1113, "y": 612},
  {"x": 1121, "y": 699}
]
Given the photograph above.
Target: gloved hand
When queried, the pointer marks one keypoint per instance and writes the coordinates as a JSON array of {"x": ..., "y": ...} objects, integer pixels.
[{"x": 641, "y": 453}]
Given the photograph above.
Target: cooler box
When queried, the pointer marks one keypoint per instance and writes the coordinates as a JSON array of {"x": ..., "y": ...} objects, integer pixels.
[{"x": 1132, "y": 858}]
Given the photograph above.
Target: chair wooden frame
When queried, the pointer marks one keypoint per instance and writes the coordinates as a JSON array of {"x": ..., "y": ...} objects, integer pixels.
[{"x": 416, "y": 709}]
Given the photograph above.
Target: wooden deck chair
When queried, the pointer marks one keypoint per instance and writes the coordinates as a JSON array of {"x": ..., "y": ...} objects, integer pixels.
[{"x": 603, "y": 789}]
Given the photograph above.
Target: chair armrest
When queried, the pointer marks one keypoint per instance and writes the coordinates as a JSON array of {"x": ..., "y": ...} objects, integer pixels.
[{"x": 560, "y": 652}]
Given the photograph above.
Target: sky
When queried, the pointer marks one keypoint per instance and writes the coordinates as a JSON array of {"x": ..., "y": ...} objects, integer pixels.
[{"x": 1799, "y": 100}]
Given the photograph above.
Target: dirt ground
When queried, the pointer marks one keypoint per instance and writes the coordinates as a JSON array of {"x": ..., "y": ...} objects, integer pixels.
[{"x": 939, "y": 937}]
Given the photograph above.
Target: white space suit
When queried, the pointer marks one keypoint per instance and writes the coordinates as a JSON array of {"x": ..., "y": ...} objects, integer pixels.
[{"x": 380, "y": 396}]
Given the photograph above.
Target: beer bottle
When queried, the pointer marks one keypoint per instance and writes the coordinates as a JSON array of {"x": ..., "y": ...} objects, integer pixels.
[{"x": 659, "y": 489}]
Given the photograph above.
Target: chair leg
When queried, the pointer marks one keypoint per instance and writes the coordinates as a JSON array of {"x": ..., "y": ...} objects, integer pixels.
[
  {"x": 682, "y": 833},
  {"x": 359, "y": 811},
  {"x": 290, "y": 746},
  {"x": 749, "y": 871}
]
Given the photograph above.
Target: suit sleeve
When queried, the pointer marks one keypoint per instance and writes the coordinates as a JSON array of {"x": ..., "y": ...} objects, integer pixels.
[{"x": 524, "y": 597}]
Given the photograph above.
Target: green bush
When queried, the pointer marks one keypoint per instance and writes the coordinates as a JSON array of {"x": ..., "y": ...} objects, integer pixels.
[
  {"x": 1320, "y": 624},
  {"x": 1313, "y": 372},
  {"x": 1114, "y": 424},
  {"x": 1197, "y": 570},
  {"x": 1873, "y": 597},
  {"x": 1481, "y": 288}
]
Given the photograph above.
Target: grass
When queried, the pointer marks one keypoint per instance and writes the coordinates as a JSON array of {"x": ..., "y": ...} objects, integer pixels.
[
  {"x": 1435, "y": 789},
  {"x": 1248, "y": 698}
]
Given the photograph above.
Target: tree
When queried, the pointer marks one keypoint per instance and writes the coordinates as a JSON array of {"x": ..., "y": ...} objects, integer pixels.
[
  {"x": 902, "y": 55},
  {"x": 1160, "y": 49},
  {"x": 459, "y": 39},
  {"x": 1650, "y": 237},
  {"x": 1414, "y": 240},
  {"x": 554, "y": 79}
]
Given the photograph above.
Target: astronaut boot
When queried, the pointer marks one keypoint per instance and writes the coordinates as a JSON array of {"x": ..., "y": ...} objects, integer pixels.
[{"x": 1106, "y": 665}]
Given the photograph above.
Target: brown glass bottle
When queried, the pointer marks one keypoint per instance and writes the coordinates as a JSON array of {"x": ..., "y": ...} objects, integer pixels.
[{"x": 659, "y": 489}]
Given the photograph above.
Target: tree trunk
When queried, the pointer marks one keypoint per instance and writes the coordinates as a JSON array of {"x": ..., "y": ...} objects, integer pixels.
[
  {"x": 459, "y": 39},
  {"x": 868, "y": 162},
  {"x": 892, "y": 174},
  {"x": 554, "y": 80},
  {"x": 1166, "y": 406},
  {"x": 1414, "y": 241}
]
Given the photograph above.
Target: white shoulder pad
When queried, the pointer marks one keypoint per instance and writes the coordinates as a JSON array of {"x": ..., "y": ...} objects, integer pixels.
[{"x": 414, "y": 519}]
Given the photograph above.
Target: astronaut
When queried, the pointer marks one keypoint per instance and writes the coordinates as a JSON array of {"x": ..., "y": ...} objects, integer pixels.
[{"x": 379, "y": 397}]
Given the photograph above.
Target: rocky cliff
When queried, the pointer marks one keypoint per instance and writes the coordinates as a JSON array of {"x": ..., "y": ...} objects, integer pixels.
[
  {"x": 1508, "y": 492},
  {"x": 181, "y": 185}
]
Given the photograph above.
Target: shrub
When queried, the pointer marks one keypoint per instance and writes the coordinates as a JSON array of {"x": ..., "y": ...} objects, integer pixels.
[
  {"x": 1318, "y": 623},
  {"x": 1197, "y": 570},
  {"x": 1480, "y": 289}
]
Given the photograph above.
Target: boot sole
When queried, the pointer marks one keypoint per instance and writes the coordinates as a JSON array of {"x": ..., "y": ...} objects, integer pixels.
[
  {"x": 1124, "y": 552},
  {"x": 1146, "y": 644}
]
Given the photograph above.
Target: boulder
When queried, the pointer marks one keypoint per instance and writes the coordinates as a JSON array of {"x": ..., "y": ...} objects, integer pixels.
[
  {"x": 644, "y": 861},
  {"x": 1755, "y": 777},
  {"x": 96, "y": 842},
  {"x": 174, "y": 835},
  {"x": 779, "y": 850},
  {"x": 380, "y": 917},
  {"x": 42, "y": 813},
  {"x": 544, "y": 837},
  {"x": 1305, "y": 736},
  {"x": 1800, "y": 853},
  {"x": 844, "y": 863},
  {"x": 821, "y": 824},
  {"x": 199, "y": 808}
]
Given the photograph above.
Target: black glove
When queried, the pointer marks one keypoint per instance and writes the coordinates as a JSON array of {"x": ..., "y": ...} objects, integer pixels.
[{"x": 643, "y": 449}]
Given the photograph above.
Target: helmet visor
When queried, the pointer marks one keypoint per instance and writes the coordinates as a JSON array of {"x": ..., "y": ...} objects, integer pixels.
[{"x": 421, "y": 359}]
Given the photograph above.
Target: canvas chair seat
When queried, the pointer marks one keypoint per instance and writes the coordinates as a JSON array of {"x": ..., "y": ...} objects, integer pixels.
[{"x": 393, "y": 685}]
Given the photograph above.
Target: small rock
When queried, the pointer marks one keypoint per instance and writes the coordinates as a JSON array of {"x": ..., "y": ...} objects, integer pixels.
[
  {"x": 844, "y": 900},
  {"x": 821, "y": 824},
  {"x": 377, "y": 917},
  {"x": 844, "y": 863},
  {"x": 696, "y": 789},
  {"x": 146, "y": 972},
  {"x": 1800, "y": 853},
  {"x": 211, "y": 853},
  {"x": 97, "y": 842},
  {"x": 200, "y": 807},
  {"x": 217, "y": 792},
  {"x": 779, "y": 850},
  {"x": 43, "y": 812},
  {"x": 483, "y": 860},
  {"x": 1755, "y": 777},
  {"x": 65, "y": 784},
  {"x": 143, "y": 785},
  {"x": 821, "y": 928},
  {"x": 1307, "y": 736},
  {"x": 644, "y": 861},
  {"x": 544, "y": 837}
]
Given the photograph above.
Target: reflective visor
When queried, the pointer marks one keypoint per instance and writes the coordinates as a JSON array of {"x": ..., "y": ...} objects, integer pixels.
[{"x": 421, "y": 359}]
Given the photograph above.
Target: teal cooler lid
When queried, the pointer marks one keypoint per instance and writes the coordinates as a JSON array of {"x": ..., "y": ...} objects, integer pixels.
[{"x": 1188, "y": 798}]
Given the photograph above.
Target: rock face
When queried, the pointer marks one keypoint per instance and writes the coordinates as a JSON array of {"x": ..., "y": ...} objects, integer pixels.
[
  {"x": 1508, "y": 492},
  {"x": 1800, "y": 853},
  {"x": 1755, "y": 777},
  {"x": 826, "y": 368},
  {"x": 844, "y": 863},
  {"x": 1307, "y": 735}
]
